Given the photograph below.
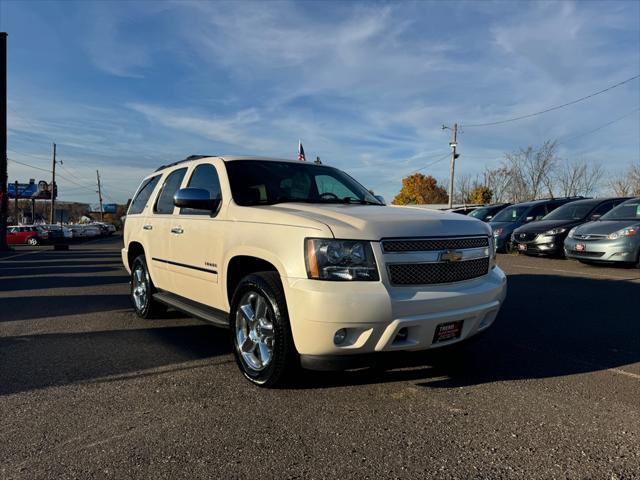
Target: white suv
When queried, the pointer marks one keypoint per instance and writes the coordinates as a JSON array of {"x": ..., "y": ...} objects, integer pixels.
[{"x": 304, "y": 265}]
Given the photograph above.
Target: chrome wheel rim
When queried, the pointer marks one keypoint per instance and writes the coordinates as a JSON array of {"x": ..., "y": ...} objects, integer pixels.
[
  {"x": 139, "y": 287},
  {"x": 254, "y": 331}
]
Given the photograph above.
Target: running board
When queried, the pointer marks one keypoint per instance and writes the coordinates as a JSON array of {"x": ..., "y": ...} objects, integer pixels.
[{"x": 193, "y": 309}]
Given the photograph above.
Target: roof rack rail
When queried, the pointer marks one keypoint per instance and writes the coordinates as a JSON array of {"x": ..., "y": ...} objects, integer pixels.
[{"x": 189, "y": 158}]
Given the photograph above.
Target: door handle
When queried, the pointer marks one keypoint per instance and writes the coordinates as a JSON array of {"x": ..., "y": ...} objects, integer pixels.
[
  {"x": 148, "y": 227},
  {"x": 177, "y": 230}
]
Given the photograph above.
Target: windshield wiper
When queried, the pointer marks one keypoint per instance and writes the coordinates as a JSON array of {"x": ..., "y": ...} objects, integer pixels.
[{"x": 357, "y": 200}]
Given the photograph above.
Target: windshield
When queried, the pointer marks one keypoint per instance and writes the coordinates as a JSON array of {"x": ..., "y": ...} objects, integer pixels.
[
  {"x": 624, "y": 211},
  {"x": 484, "y": 213},
  {"x": 266, "y": 182},
  {"x": 569, "y": 211},
  {"x": 509, "y": 214}
]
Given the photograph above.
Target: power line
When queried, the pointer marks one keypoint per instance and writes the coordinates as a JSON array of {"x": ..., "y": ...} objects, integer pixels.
[
  {"x": 27, "y": 165},
  {"x": 430, "y": 164},
  {"x": 572, "y": 137},
  {"x": 550, "y": 109}
]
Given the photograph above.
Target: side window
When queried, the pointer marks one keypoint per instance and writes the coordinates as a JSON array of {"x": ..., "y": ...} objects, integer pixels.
[
  {"x": 164, "y": 204},
  {"x": 538, "y": 212},
  {"x": 330, "y": 186},
  {"x": 603, "y": 208},
  {"x": 204, "y": 176},
  {"x": 145, "y": 191}
]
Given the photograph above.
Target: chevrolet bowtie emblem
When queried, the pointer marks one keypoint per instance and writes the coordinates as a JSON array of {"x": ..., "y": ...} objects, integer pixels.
[{"x": 451, "y": 256}]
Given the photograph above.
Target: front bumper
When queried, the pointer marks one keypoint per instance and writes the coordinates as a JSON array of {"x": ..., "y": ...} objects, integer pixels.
[
  {"x": 619, "y": 250},
  {"x": 373, "y": 313}
]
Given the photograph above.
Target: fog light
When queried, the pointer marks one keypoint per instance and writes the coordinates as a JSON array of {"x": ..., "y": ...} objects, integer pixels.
[
  {"x": 402, "y": 335},
  {"x": 340, "y": 336}
]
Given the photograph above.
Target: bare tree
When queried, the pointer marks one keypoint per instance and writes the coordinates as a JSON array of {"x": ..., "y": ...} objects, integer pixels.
[
  {"x": 463, "y": 187},
  {"x": 577, "y": 178},
  {"x": 626, "y": 183},
  {"x": 498, "y": 180},
  {"x": 634, "y": 178}
]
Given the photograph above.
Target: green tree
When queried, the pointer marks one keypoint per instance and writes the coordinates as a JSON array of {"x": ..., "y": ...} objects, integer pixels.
[
  {"x": 480, "y": 194},
  {"x": 419, "y": 189}
]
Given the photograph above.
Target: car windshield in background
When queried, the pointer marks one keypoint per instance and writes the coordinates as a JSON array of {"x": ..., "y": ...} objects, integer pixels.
[
  {"x": 266, "y": 182},
  {"x": 480, "y": 213},
  {"x": 509, "y": 214},
  {"x": 569, "y": 212},
  {"x": 625, "y": 211}
]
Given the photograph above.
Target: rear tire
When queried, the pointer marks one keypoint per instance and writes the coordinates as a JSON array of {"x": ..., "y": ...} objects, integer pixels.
[
  {"x": 142, "y": 290},
  {"x": 260, "y": 331},
  {"x": 33, "y": 241}
]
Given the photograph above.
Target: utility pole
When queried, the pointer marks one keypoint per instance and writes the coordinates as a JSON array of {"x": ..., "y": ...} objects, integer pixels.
[
  {"x": 16, "y": 202},
  {"x": 100, "y": 197},
  {"x": 4, "y": 206},
  {"x": 52, "y": 217},
  {"x": 453, "y": 144}
]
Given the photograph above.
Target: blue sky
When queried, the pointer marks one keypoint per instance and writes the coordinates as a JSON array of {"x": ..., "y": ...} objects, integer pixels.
[{"x": 126, "y": 86}]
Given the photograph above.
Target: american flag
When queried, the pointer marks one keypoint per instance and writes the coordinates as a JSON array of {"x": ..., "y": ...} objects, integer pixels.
[{"x": 301, "y": 156}]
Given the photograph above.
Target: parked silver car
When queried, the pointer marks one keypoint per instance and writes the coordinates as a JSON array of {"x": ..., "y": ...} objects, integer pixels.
[{"x": 614, "y": 237}]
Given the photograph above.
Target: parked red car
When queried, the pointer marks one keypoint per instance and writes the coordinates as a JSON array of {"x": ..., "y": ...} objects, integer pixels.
[{"x": 29, "y": 235}]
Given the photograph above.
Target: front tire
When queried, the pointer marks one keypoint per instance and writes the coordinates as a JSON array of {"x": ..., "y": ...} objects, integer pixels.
[
  {"x": 142, "y": 290},
  {"x": 260, "y": 330},
  {"x": 33, "y": 241}
]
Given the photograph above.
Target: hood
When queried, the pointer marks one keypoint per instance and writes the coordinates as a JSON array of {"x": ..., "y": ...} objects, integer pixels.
[
  {"x": 541, "y": 226},
  {"x": 604, "y": 227},
  {"x": 370, "y": 222}
]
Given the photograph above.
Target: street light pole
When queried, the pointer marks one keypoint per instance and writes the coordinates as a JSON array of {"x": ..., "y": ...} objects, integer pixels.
[{"x": 454, "y": 145}]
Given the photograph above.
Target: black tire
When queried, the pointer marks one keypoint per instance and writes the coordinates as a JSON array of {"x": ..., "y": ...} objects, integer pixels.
[
  {"x": 147, "y": 308},
  {"x": 284, "y": 360},
  {"x": 33, "y": 241}
]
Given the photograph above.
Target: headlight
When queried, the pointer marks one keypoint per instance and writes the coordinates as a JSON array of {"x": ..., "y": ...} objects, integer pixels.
[
  {"x": 572, "y": 232},
  {"x": 339, "y": 260},
  {"x": 625, "y": 232},
  {"x": 555, "y": 231},
  {"x": 497, "y": 232}
]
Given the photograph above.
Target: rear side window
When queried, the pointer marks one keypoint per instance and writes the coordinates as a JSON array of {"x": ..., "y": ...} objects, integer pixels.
[
  {"x": 539, "y": 211},
  {"x": 138, "y": 203},
  {"x": 164, "y": 204},
  {"x": 204, "y": 176}
]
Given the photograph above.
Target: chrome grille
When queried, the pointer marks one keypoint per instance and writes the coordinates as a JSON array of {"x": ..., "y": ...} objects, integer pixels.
[
  {"x": 433, "y": 273},
  {"x": 590, "y": 236},
  {"x": 430, "y": 244},
  {"x": 583, "y": 253}
]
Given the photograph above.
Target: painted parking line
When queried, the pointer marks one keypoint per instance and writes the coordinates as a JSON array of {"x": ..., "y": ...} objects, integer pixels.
[
  {"x": 571, "y": 358},
  {"x": 23, "y": 254},
  {"x": 590, "y": 274}
]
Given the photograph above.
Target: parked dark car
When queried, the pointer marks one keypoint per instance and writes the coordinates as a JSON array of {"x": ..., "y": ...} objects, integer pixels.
[
  {"x": 464, "y": 210},
  {"x": 510, "y": 218},
  {"x": 546, "y": 237},
  {"x": 487, "y": 212}
]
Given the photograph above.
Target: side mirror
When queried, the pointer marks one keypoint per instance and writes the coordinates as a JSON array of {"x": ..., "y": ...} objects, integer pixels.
[
  {"x": 488, "y": 219},
  {"x": 595, "y": 217},
  {"x": 197, "y": 198},
  {"x": 528, "y": 219},
  {"x": 380, "y": 198}
]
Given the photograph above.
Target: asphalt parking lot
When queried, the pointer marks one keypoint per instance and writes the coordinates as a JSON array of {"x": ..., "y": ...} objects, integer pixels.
[{"x": 88, "y": 390}]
